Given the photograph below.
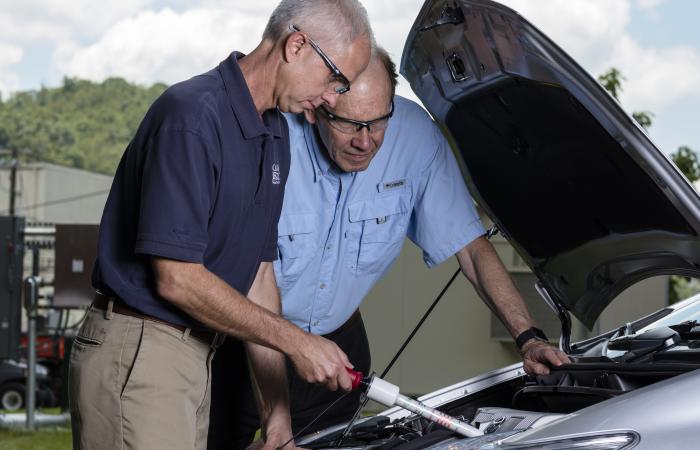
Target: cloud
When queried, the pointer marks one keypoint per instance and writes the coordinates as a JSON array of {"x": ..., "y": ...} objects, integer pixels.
[
  {"x": 162, "y": 46},
  {"x": 585, "y": 29},
  {"x": 169, "y": 46},
  {"x": 31, "y": 20},
  {"x": 594, "y": 33},
  {"x": 649, "y": 4},
  {"x": 656, "y": 78},
  {"x": 53, "y": 24},
  {"x": 9, "y": 55},
  {"x": 136, "y": 40}
]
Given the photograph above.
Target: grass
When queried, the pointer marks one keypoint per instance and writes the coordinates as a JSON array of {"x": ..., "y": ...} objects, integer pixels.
[
  {"x": 44, "y": 439},
  {"x": 52, "y": 438}
]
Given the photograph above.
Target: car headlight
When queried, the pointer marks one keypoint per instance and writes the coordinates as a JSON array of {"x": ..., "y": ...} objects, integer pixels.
[
  {"x": 42, "y": 371},
  {"x": 616, "y": 441}
]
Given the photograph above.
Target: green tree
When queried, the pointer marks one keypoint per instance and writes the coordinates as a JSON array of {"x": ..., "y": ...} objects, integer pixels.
[
  {"x": 612, "y": 82},
  {"x": 687, "y": 161},
  {"x": 643, "y": 118},
  {"x": 80, "y": 124}
]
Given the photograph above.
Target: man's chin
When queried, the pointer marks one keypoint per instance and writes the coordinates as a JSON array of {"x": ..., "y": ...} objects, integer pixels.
[
  {"x": 293, "y": 107},
  {"x": 306, "y": 105},
  {"x": 355, "y": 166}
]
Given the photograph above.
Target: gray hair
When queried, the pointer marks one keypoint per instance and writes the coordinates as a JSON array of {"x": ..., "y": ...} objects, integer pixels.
[{"x": 331, "y": 21}]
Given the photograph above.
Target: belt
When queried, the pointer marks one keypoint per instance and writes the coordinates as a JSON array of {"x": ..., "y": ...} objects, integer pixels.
[{"x": 119, "y": 306}]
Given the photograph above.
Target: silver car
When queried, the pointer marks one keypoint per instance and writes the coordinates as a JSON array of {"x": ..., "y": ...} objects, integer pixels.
[{"x": 593, "y": 207}]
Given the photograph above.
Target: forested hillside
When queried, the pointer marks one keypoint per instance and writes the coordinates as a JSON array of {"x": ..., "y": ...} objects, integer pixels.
[{"x": 80, "y": 124}]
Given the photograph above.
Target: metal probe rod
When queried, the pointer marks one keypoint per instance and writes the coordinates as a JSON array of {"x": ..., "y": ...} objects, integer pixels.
[
  {"x": 388, "y": 394},
  {"x": 436, "y": 416}
]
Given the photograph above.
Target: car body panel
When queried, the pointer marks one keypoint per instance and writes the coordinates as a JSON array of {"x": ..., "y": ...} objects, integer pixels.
[{"x": 662, "y": 410}]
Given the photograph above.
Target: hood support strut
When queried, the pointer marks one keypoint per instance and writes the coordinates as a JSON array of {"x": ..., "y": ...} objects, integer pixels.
[{"x": 564, "y": 317}]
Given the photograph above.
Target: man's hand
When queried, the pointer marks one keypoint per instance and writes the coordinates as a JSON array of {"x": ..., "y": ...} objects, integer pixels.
[
  {"x": 538, "y": 356},
  {"x": 272, "y": 444},
  {"x": 277, "y": 433},
  {"x": 318, "y": 360}
]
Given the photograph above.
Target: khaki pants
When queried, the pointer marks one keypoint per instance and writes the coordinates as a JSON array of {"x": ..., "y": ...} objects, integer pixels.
[{"x": 138, "y": 385}]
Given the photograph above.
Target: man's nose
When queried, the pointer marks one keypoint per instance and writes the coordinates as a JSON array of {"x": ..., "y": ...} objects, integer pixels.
[
  {"x": 330, "y": 97},
  {"x": 362, "y": 140}
]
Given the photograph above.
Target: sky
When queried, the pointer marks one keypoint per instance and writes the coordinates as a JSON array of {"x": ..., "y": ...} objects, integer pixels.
[{"x": 655, "y": 44}]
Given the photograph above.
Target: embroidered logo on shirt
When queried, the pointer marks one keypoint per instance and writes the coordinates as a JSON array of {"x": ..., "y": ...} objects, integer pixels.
[
  {"x": 394, "y": 184},
  {"x": 275, "y": 173}
]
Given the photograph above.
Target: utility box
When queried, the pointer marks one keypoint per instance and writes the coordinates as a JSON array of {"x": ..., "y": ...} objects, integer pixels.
[
  {"x": 11, "y": 258},
  {"x": 76, "y": 252}
]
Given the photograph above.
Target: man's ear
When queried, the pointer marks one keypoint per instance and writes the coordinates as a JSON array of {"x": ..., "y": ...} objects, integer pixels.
[
  {"x": 310, "y": 115},
  {"x": 294, "y": 45}
]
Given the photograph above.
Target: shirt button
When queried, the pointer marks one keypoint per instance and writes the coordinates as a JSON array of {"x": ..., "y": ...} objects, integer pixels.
[
  {"x": 315, "y": 323},
  {"x": 329, "y": 246},
  {"x": 323, "y": 285}
]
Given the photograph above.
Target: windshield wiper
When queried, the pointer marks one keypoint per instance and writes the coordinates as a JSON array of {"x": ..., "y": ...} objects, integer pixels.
[{"x": 687, "y": 330}]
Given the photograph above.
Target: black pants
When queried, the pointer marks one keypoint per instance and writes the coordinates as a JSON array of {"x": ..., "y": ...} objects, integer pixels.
[{"x": 233, "y": 419}]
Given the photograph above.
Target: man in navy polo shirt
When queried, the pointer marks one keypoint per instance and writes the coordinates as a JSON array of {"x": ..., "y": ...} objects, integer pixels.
[{"x": 188, "y": 237}]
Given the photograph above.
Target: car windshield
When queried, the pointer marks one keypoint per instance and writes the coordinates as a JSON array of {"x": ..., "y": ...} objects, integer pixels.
[
  {"x": 680, "y": 315},
  {"x": 690, "y": 312}
]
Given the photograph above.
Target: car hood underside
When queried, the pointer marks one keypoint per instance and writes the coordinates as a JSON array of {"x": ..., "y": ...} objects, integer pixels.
[{"x": 575, "y": 184}]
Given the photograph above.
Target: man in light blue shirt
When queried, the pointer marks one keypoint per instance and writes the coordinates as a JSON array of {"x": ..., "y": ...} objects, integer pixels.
[{"x": 344, "y": 221}]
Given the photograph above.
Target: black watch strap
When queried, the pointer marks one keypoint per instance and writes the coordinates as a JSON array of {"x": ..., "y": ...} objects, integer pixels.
[{"x": 530, "y": 333}]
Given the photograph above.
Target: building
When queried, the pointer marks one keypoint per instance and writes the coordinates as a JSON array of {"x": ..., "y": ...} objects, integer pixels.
[
  {"x": 48, "y": 193},
  {"x": 57, "y": 194}
]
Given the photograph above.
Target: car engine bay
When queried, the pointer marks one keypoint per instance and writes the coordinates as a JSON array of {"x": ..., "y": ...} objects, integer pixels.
[{"x": 602, "y": 368}]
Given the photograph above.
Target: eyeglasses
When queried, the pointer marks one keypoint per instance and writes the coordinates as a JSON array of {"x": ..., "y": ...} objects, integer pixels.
[
  {"x": 337, "y": 74},
  {"x": 352, "y": 126}
]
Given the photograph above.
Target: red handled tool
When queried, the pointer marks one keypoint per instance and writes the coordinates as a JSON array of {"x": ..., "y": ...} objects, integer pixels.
[{"x": 356, "y": 377}]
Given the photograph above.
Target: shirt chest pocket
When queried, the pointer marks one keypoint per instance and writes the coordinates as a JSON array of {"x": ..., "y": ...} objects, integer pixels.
[
  {"x": 296, "y": 245},
  {"x": 377, "y": 230}
]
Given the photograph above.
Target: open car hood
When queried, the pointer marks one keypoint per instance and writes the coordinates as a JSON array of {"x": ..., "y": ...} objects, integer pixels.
[{"x": 568, "y": 177}]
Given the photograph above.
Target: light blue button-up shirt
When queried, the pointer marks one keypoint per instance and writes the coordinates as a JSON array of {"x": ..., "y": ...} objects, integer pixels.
[{"x": 340, "y": 232}]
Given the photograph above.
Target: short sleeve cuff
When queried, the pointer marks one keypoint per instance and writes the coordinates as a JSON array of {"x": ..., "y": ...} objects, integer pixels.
[
  {"x": 179, "y": 251},
  {"x": 269, "y": 254},
  {"x": 472, "y": 231}
]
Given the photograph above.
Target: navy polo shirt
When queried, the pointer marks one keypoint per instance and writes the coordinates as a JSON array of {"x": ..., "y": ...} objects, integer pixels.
[{"x": 202, "y": 181}]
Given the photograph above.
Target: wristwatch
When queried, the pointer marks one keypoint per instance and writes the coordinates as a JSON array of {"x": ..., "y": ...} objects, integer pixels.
[{"x": 530, "y": 333}]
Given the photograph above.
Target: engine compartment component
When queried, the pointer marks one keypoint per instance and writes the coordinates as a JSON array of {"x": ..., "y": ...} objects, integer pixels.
[
  {"x": 575, "y": 386},
  {"x": 511, "y": 406},
  {"x": 388, "y": 394},
  {"x": 491, "y": 420}
]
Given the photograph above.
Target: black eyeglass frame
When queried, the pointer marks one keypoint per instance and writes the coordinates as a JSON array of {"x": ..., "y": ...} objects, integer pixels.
[
  {"x": 358, "y": 123},
  {"x": 330, "y": 64}
]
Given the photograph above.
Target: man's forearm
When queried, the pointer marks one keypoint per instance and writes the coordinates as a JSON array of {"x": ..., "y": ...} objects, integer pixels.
[
  {"x": 271, "y": 392},
  {"x": 211, "y": 301},
  {"x": 268, "y": 366},
  {"x": 482, "y": 266}
]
